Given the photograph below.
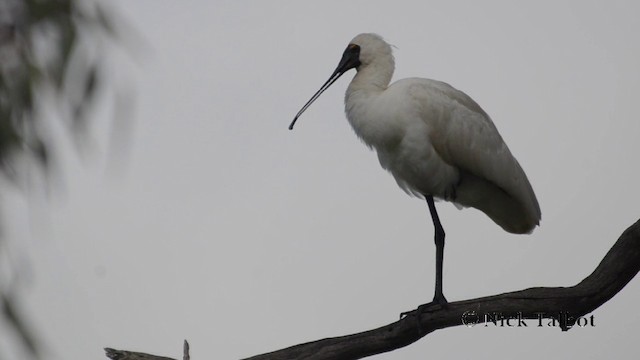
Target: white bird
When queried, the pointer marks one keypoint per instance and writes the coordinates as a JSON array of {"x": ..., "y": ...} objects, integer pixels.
[{"x": 436, "y": 142}]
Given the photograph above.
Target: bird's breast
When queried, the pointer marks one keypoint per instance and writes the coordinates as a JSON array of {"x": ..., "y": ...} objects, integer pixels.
[
  {"x": 402, "y": 140},
  {"x": 374, "y": 120}
]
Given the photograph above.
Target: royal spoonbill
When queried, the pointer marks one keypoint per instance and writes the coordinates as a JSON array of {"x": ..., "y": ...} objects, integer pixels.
[{"x": 435, "y": 141}]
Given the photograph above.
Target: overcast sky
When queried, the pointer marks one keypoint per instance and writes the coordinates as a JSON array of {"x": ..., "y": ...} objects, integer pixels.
[{"x": 222, "y": 227}]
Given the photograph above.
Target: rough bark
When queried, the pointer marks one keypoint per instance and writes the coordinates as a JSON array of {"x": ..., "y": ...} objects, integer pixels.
[{"x": 562, "y": 305}]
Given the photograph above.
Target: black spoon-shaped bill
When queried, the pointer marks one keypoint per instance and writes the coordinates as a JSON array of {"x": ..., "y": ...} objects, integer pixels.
[{"x": 350, "y": 59}]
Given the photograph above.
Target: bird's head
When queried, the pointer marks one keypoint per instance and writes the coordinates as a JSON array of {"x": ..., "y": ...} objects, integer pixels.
[
  {"x": 363, "y": 50},
  {"x": 370, "y": 48}
]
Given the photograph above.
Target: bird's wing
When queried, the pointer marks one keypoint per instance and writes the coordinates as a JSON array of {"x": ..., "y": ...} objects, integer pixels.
[{"x": 466, "y": 138}]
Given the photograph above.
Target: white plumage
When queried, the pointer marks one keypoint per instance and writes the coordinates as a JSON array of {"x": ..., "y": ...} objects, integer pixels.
[{"x": 435, "y": 140}]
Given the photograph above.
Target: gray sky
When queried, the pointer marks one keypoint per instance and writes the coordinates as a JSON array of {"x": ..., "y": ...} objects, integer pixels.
[{"x": 227, "y": 229}]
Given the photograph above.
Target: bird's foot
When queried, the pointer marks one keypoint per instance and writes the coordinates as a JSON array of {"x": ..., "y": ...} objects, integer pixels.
[{"x": 439, "y": 302}]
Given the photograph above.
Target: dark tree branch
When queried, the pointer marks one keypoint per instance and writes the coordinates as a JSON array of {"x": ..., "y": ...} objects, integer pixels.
[
  {"x": 564, "y": 305},
  {"x": 131, "y": 355},
  {"x": 114, "y": 354}
]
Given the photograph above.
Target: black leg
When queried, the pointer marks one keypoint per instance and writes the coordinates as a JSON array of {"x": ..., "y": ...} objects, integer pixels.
[{"x": 438, "y": 297}]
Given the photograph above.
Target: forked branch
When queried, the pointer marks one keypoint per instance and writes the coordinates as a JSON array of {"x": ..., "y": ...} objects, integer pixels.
[{"x": 562, "y": 304}]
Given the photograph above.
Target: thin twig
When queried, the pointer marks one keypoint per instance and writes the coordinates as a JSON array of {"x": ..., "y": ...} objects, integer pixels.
[{"x": 186, "y": 351}]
